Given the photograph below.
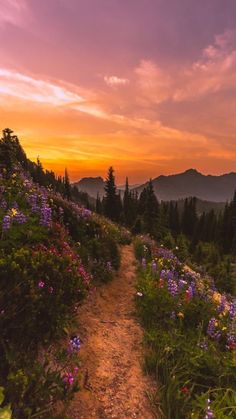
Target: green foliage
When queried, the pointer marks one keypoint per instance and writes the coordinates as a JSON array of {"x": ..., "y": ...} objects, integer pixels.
[
  {"x": 190, "y": 367},
  {"x": 5, "y": 412},
  {"x": 112, "y": 202},
  {"x": 142, "y": 247},
  {"x": 50, "y": 251}
]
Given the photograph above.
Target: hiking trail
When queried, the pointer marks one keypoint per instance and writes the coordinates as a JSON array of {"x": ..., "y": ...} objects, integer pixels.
[{"x": 113, "y": 384}]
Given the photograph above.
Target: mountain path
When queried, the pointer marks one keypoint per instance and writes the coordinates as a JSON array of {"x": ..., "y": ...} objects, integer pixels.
[{"x": 113, "y": 383}]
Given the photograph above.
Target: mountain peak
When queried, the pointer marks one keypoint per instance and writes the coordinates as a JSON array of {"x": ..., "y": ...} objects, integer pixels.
[{"x": 192, "y": 172}]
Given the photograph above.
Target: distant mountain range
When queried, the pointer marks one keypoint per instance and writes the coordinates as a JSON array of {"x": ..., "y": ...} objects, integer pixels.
[
  {"x": 192, "y": 183},
  {"x": 92, "y": 185},
  {"x": 174, "y": 187},
  {"x": 95, "y": 186}
]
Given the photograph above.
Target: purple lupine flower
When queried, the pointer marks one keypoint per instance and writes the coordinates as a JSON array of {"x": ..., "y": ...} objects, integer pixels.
[
  {"x": 173, "y": 315},
  {"x": 20, "y": 218},
  {"x": 163, "y": 274},
  {"x": 232, "y": 309},
  {"x": 6, "y": 223},
  {"x": 75, "y": 344},
  {"x": 144, "y": 263},
  {"x": 191, "y": 290},
  {"x": 109, "y": 266},
  {"x": 154, "y": 268},
  {"x": 46, "y": 216},
  {"x": 3, "y": 204},
  {"x": 33, "y": 201},
  {"x": 209, "y": 414},
  {"x": 211, "y": 329},
  {"x": 182, "y": 283},
  {"x": 172, "y": 287},
  {"x": 222, "y": 305},
  {"x": 203, "y": 345},
  {"x": 231, "y": 338}
]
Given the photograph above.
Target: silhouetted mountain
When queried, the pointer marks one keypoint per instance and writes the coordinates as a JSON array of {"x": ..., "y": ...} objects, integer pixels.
[
  {"x": 192, "y": 183},
  {"x": 91, "y": 185},
  {"x": 122, "y": 187}
]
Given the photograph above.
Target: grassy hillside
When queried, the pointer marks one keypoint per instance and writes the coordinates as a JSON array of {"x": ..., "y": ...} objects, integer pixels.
[
  {"x": 190, "y": 336},
  {"x": 52, "y": 252}
]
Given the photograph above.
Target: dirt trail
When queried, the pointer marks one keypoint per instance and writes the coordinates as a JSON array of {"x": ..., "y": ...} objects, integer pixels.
[{"x": 114, "y": 385}]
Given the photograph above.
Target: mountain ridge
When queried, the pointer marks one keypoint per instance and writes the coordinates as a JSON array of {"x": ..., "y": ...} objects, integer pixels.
[
  {"x": 214, "y": 188},
  {"x": 191, "y": 182}
]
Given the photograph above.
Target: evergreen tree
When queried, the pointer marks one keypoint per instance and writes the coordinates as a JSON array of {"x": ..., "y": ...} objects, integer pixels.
[
  {"x": 189, "y": 217},
  {"x": 128, "y": 206},
  {"x": 98, "y": 205},
  {"x": 174, "y": 222},
  {"x": 111, "y": 199},
  {"x": 11, "y": 152},
  {"x": 151, "y": 210},
  {"x": 67, "y": 185}
]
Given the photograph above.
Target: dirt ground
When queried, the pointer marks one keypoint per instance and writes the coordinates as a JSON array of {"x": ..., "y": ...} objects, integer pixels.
[{"x": 113, "y": 383}]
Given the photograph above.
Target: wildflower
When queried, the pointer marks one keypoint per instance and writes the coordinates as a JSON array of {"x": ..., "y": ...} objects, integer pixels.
[
  {"x": 203, "y": 345},
  {"x": 109, "y": 266},
  {"x": 3, "y": 204},
  {"x": 173, "y": 315},
  {"x": 180, "y": 315},
  {"x": 46, "y": 216},
  {"x": 139, "y": 294},
  {"x": 232, "y": 309},
  {"x": 222, "y": 304},
  {"x": 41, "y": 284},
  {"x": 184, "y": 390},
  {"x": 154, "y": 268},
  {"x": 20, "y": 218},
  {"x": 6, "y": 223},
  {"x": 14, "y": 212},
  {"x": 68, "y": 378},
  {"x": 75, "y": 344},
  {"x": 172, "y": 287},
  {"x": 211, "y": 329},
  {"x": 209, "y": 414},
  {"x": 144, "y": 263}
]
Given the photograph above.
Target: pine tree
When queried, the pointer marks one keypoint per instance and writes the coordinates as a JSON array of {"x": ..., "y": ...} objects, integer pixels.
[
  {"x": 151, "y": 210},
  {"x": 98, "y": 205},
  {"x": 67, "y": 185},
  {"x": 174, "y": 222},
  {"x": 128, "y": 206},
  {"x": 11, "y": 152},
  {"x": 189, "y": 217},
  {"x": 111, "y": 199}
]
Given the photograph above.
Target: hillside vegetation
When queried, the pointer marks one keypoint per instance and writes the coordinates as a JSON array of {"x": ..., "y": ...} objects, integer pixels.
[
  {"x": 52, "y": 251},
  {"x": 190, "y": 336}
]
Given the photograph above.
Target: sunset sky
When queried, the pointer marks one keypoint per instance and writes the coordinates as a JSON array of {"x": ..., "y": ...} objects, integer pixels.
[{"x": 148, "y": 86}]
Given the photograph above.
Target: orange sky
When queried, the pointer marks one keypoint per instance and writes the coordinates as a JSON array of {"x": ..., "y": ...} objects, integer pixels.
[{"x": 81, "y": 95}]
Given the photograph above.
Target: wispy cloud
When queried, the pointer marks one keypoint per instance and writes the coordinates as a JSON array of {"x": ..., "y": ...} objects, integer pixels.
[
  {"x": 215, "y": 70},
  {"x": 13, "y": 11},
  {"x": 114, "y": 81},
  {"x": 28, "y": 89}
]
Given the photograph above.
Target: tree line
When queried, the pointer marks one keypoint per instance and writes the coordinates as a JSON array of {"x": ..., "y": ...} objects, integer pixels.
[
  {"x": 12, "y": 156},
  {"x": 207, "y": 239}
]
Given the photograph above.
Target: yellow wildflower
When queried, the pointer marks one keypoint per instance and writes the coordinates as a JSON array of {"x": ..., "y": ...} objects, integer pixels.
[{"x": 14, "y": 211}]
